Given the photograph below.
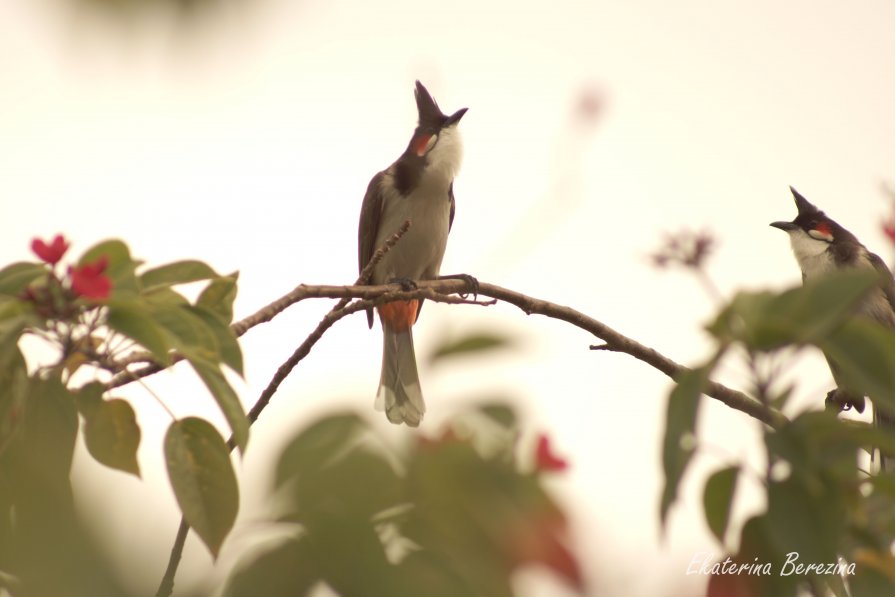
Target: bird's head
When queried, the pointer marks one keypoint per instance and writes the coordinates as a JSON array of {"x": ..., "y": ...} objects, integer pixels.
[
  {"x": 436, "y": 137},
  {"x": 812, "y": 231}
]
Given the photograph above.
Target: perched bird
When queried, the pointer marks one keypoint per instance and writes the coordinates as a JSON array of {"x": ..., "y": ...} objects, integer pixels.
[
  {"x": 417, "y": 187},
  {"x": 820, "y": 246}
]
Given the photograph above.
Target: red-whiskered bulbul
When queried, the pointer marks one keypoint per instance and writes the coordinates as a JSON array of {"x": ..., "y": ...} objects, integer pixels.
[
  {"x": 821, "y": 245},
  {"x": 417, "y": 187}
]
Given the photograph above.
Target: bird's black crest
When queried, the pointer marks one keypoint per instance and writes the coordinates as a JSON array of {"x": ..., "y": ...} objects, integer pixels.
[
  {"x": 429, "y": 113},
  {"x": 805, "y": 207}
]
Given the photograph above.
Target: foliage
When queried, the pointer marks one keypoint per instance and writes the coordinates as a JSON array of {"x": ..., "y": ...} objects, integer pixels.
[
  {"x": 822, "y": 508},
  {"x": 100, "y": 315},
  {"x": 442, "y": 516}
]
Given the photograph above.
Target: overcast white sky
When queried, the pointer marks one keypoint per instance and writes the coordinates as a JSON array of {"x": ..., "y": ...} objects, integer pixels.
[{"x": 249, "y": 142}]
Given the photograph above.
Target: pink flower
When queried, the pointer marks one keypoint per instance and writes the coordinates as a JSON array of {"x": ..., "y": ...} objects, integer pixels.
[
  {"x": 50, "y": 253},
  {"x": 545, "y": 459},
  {"x": 90, "y": 281}
]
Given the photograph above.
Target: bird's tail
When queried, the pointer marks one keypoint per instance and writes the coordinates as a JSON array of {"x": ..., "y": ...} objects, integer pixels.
[{"x": 400, "y": 395}]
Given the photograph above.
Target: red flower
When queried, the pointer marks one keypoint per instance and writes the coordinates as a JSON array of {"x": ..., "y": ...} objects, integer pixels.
[
  {"x": 889, "y": 229},
  {"x": 50, "y": 253},
  {"x": 545, "y": 459},
  {"x": 89, "y": 281}
]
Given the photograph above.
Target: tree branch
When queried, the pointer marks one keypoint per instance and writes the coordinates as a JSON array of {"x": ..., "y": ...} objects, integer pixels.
[{"x": 447, "y": 291}]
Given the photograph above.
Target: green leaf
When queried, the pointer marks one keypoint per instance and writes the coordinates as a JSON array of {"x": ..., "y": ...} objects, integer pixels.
[
  {"x": 16, "y": 277},
  {"x": 113, "y": 436},
  {"x": 15, "y": 316},
  {"x": 218, "y": 297},
  {"x": 188, "y": 333},
  {"x": 51, "y": 424},
  {"x": 121, "y": 269},
  {"x": 179, "y": 272},
  {"x": 14, "y": 388},
  {"x": 680, "y": 426},
  {"x": 471, "y": 343},
  {"x": 228, "y": 350},
  {"x": 864, "y": 352},
  {"x": 807, "y": 314},
  {"x": 227, "y": 400},
  {"x": 130, "y": 318},
  {"x": 203, "y": 479},
  {"x": 718, "y": 498}
]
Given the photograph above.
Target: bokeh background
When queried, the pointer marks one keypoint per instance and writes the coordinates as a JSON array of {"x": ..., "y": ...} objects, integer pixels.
[{"x": 244, "y": 133}]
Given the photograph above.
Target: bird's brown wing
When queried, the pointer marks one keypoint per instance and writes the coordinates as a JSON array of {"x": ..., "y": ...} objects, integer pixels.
[{"x": 368, "y": 227}]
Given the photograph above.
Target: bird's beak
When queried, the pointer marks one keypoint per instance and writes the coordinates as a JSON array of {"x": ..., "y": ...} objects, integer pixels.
[
  {"x": 455, "y": 117},
  {"x": 785, "y": 226}
]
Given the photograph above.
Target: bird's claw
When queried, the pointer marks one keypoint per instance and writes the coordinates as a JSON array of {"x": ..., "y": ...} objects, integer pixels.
[{"x": 472, "y": 285}]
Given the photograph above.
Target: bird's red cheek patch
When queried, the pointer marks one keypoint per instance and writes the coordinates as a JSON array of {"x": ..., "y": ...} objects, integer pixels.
[
  {"x": 822, "y": 232},
  {"x": 422, "y": 144}
]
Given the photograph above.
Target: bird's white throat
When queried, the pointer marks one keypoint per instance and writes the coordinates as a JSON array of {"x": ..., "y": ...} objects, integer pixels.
[
  {"x": 811, "y": 253},
  {"x": 444, "y": 159}
]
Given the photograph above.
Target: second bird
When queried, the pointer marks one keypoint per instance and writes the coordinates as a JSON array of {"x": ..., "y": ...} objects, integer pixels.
[
  {"x": 417, "y": 187},
  {"x": 821, "y": 245}
]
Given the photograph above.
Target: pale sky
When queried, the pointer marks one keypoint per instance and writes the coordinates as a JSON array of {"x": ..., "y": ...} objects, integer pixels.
[{"x": 249, "y": 143}]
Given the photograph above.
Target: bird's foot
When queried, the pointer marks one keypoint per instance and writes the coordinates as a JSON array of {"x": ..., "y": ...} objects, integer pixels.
[{"x": 472, "y": 285}]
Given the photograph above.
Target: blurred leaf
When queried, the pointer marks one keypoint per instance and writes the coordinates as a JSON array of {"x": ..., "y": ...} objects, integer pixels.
[
  {"x": 227, "y": 399},
  {"x": 502, "y": 414},
  {"x": 864, "y": 352},
  {"x": 218, "y": 297},
  {"x": 14, "y": 389},
  {"x": 203, "y": 479},
  {"x": 484, "y": 517},
  {"x": 680, "y": 428},
  {"x": 820, "y": 447},
  {"x": 807, "y": 314},
  {"x": 718, "y": 498},
  {"x": 14, "y": 278},
  {"x": 179, "y": 272},
  {"x": 121, "y": 269},
  {"x": 475, "y": 342},
  {"x": 321, "y": 465},
  {"x": 189, "y": 334},
  {"x": 15, "y": 316},
  {"x": 286, "y": 569},
  {"x": 875, "y": 574},
  {"x": 805, "y": 519},
  {"x": 130, "y": 318},
  {"x": 51, "y": 554},
  {"x": 312, "y": 448},
  {"x": 163, "y": 297},
  {"x": 113, "y": 436},
  {"x": 424, "y": 573},
  {"x": 228, "y": 350},
  {"x": 51, "y": 426}
]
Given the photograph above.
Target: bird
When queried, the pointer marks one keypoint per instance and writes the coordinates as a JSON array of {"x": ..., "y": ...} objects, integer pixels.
[
  {"x": 418, "y": 187},
  {"x": 821, "y": 245}
]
